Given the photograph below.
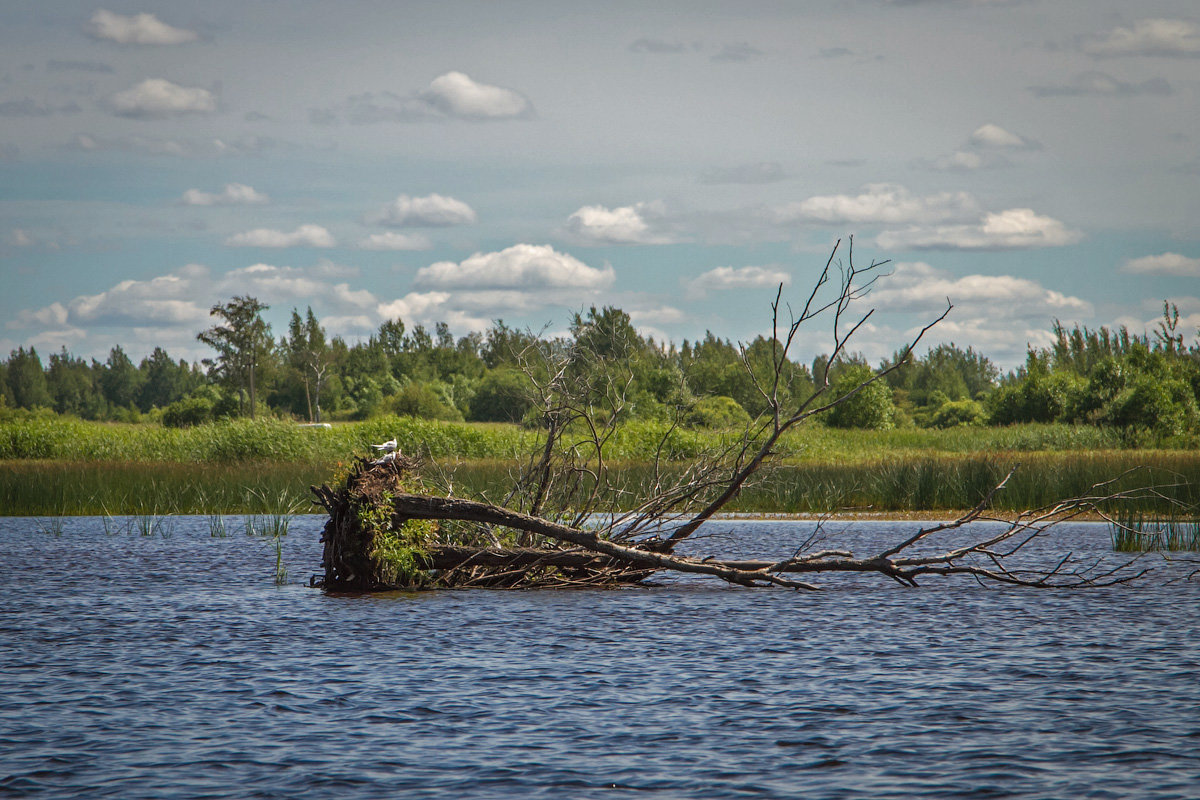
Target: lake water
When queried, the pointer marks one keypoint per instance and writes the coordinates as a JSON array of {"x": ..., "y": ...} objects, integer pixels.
[{"x": 148, "y": 667}]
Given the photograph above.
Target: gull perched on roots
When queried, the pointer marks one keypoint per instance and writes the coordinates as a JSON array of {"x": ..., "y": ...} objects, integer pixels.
[{"x": 390, "y": 451}]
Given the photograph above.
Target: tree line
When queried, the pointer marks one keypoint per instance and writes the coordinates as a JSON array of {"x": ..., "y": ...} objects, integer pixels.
[{"x": 1147, "y": 384}]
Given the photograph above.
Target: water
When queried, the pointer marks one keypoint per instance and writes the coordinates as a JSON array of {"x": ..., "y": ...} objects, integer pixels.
[{"x": 146, "y": 667}]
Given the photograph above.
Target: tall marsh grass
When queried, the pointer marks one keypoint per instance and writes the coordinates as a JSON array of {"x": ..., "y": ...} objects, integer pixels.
[{"x": 1139, "y": 532}]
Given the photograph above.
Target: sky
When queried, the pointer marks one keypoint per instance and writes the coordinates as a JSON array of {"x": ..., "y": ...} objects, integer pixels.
[{"x": 1028, "y": 160}]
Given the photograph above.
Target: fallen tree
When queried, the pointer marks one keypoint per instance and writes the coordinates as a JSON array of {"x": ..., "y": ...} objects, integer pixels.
[{"x": 566, "y": 522}]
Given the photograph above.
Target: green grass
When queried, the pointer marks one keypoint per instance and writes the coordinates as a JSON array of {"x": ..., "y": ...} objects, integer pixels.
[{"x": 61, "y": 466}]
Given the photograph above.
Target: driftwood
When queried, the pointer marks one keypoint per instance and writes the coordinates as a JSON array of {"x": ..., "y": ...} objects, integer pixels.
[
  {"x": 578, "y": 557},
  {"x": 567, "y": 523}
]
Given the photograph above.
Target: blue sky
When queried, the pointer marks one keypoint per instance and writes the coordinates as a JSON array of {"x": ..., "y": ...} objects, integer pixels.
[{"x": 468, "y": 161}]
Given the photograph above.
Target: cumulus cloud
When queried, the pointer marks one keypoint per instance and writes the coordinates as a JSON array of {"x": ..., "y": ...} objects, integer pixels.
[
  {"x": 723, "y": 278},
  {"x": 987, "y": 147},
  {"x": 391, "y": 240},
  {"x": 431, "y": 211},
  {"x": 879, "y": 203},
  {"x": 1014, "y": 229},
  {"x": 1149, "y": 37},
  {"x": 303, "y": 236},
  {"x": 234, "y": 194},
  {"x": 760, "y": 172},
  {"x": 156, "y": 98},
  {"x": 1165, "y": 264},
  {"x": 917, "y": 286},
  {"x": 522, "y": 266},
  {"x": 1100, "y": 83},
  {"x": 637, "y": 224},
  {"x": 135, "y": 29},
  {"x": 454, "y": 95},
  {"x": 991, "y": 136},
  {"x": 167, "y": 300}
]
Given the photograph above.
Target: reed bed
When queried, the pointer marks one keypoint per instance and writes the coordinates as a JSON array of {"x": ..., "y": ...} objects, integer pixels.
[
  {"x": 52, "y": 465},
  {"x": 50, "y": 437},
  {"x": 1139, "y": 532},
  {"x": 270, "y": 493}
]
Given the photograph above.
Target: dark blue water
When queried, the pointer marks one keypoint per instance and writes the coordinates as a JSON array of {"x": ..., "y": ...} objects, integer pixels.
[{"x": 148, "y": 667}]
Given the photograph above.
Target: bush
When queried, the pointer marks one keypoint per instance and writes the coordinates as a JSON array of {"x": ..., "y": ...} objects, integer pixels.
[
  {"x": 717, "y": 412},
  {"x": 502, "y": 396},
  {"x": 871, "y": 407},
  {"x": 954, "y": 413},
  {"x": 188, "y": 412},
  {"x": 419, "y": 400}
]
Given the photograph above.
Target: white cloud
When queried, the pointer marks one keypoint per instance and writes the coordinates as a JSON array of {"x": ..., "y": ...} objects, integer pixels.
[
  {"x": 391, "y": 240},
  {"x": 520, "y": 266},
  {"x": 166, "y": 300},
  {"x": 1016, "y": 228},
  {"x": 431, "y": 211},
  {"x": 413, "y": 305},
  {"x": 233, "y": 194},
  {"x": 880, "y": 203},
  {"x": 303, "y": 236},
  {"x": 985, "y": 148},
  {"x": 722, "y": 278},
  {"x": 917, "y": 286},
  {"x": 456, "y": 95},
  {"x": 623, "y": 225},
  {"x": 1165, "y": 264},
  {"x": 136, "y": 29},
  {"x": 992, "y": 136},
  {"x": 1149, "y": 37},
  {"x": 155, "y": 98}
]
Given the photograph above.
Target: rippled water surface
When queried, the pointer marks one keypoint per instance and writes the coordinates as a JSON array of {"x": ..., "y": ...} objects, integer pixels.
[{"x": 147, "y": 667}]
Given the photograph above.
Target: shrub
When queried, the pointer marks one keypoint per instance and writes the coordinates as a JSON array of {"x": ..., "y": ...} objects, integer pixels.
[
  {"x": 954, "y": 413},
  {"x": 871, "y": 407},
  {"x": 502, "y": 396},
  {"x": 717, "y": 412},
  {"x": 419, "y": 400},
  {"x": 188, "y": 412}
]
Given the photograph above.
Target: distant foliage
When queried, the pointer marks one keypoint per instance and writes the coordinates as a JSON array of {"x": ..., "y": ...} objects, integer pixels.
[
  {"x": 869, "y": 406},
  {"x": 1143, "y": 388}
]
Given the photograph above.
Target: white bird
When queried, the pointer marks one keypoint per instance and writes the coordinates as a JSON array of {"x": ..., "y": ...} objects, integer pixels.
[
  {"x": 386, "y": 458},
  {"x": 387, "y": 447}
]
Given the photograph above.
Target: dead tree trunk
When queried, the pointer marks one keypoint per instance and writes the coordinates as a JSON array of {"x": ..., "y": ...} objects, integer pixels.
[{"x": 565, "y": 523}]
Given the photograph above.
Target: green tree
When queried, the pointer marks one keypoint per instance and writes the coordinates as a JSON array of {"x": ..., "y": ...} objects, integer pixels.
[
  {"x": 120, "y": 380},
  {"x": 243, "y": 343},
  {"x": 72, "y": 384},
  {"x": 309, "y": 356},
  {"x": 27, "y": 379},
  {"x": 164, "y": 380}
]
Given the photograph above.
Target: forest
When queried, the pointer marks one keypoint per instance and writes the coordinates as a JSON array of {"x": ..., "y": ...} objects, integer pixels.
[{"x": 1146, "y": 387}]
